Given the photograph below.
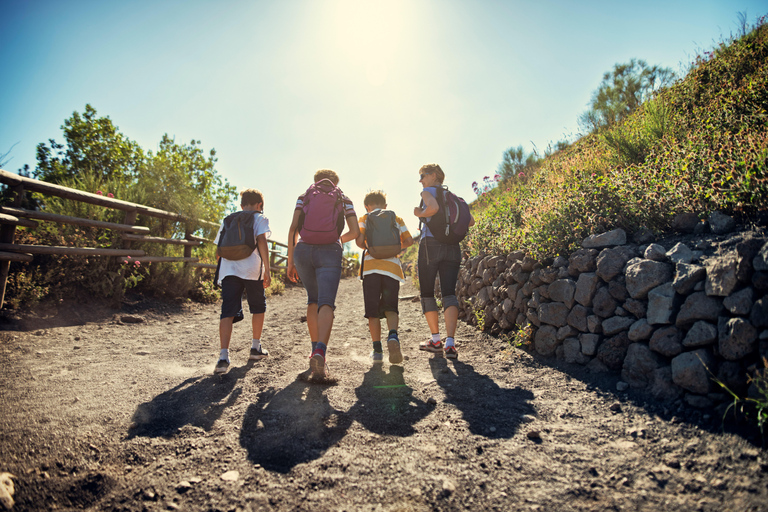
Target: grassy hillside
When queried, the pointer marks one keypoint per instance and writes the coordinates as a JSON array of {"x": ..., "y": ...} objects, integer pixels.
[{"x": 700, "y": 145}]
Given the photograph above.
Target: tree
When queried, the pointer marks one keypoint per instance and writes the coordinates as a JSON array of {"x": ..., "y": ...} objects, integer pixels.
[
  {"x": 622, "y": 91},
  {"x": 92, "y": 144},
  {"x": 180, "y": 178},
  {"x": 514, "y": 161}
]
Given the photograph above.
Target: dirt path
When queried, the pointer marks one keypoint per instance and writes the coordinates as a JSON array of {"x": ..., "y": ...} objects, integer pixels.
[{"x": 112, "y": 415}]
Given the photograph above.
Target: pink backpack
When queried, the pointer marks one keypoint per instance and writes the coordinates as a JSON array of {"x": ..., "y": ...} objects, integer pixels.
[{"x": 322, "y": 219}]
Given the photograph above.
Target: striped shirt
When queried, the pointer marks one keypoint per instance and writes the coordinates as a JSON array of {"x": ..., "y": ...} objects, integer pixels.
[{"x": 390, "y": 267}]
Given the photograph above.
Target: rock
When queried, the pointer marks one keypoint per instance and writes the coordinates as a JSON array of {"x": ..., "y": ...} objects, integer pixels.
[
  {"x": 548, "y": 275},
  {"x": 685, "y": 222},
  {"x": 566, "y": 331},
  {"x": 640, "y": 330},
  {"x": 131, "y": 319},
  {"x": 622, "y": 386},
  {"x": 655, "y": 252},
  {"x": 760, "y": 280},
  {"x": 610, "y": 262},
  {"x": 586, "y": 285},
  {"x": 553, "y": 313},
  {"x": 644, "y": 275},
  {"x": 183, "y": 487},
  {"x": 577, "y": 318},
  {"x": 662, "y": 387},
  {"x": 721, "y": 223},
  {"x": 680, "y": 253},
  {"x": 616, "y": 324},
  {"x": 666, "y": 341},
  {"x": 545, "y": 340},
  {"x": 594, "y": 325},
  {"x": 563, "y": 290},
  {"x": 661, "y": 304},
  {"x": 597, "y": 366},
  {"x": 7, "y": 490},
  {"x": 603, "y": 304},
  {"x": 589, "y": 343},
  {"x": 635, "y": 307},
  {"x": 686, "y": 277},
  {"x": 583, "y": 260},
  {"x": 231, "y": 476},
  {"x": 739, "y": 303},
  {"x": 760, "y": 261},
  {"x": 690, "y": 371},
  {"x": 613, "y": 350},
  {"x": 759, "y": 315},
  {"x": 639, "y": 365},
  {"x": 609, "y": 239},
  {"x": 617, "y": 289},
  {"x": 643, "y": 236},
  {"x": 572, "y": 352},
  {"x": 721, "y": 275},
  {"x": 736, "y": 338},
  {"x": 701, "y": 334},
  {"x": 698, "y": 401},
  {"x": 698, "y": 306}
]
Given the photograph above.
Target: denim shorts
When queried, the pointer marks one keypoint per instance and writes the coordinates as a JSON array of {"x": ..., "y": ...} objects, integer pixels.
[
  {"x": 319, "y": 268},
  {"x": 232, "y": 288},
  {"x": 435, "y": 259}
]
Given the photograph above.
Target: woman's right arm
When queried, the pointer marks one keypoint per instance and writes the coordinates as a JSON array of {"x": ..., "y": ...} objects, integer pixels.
[
  {"x": 430, "y": 206},
  {"x": 293, "y": 235}
]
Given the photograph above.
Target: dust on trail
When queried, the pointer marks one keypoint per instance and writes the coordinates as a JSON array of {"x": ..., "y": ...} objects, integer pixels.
[{"x": 106, "y": 415}]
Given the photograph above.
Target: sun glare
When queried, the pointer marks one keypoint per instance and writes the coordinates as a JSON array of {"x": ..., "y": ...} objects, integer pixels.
[{"x": 368, "y": 33}]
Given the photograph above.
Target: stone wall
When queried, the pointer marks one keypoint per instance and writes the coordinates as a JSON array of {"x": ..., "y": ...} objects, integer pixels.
[{"x": 663, "y": 319}]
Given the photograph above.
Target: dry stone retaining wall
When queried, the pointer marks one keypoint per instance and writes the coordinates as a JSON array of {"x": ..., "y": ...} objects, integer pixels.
[{"x": 667, "y": 320}]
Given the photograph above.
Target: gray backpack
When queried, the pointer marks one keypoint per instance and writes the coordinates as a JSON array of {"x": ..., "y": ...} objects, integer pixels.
[
  {"x": 382, "y": 234},
  {"x": 236, "y": 241}
]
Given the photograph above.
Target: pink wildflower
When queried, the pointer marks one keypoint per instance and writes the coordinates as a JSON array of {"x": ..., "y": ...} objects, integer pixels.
[
  {"x": 110, "y": 195},
  {"x": 99, "y": 192},
  {"x": 522, "y": 175}
]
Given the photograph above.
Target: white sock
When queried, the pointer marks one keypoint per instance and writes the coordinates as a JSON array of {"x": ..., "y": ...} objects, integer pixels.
[
  {"x": 224, "y": 354},
  {"x": 449, "y": 341},
  {"x": 256, "y": 344},
  {"x": 436, "y": 337}
]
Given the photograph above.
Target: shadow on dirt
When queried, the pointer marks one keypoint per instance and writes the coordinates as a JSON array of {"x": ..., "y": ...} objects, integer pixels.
[
  {"x": 198, "y": 401},
  {"x": 490, "y": 410},
  {"x": 386, "y": 405},
  {"x": 290, "y": 426}
]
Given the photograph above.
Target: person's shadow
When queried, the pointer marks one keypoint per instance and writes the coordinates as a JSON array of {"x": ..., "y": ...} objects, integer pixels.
[
  {"x": 198, "y": 401},
  {"x": 293, "y": 425},
  {"x": 385, "y": 403},
  {"x": 490, "y": 410}
]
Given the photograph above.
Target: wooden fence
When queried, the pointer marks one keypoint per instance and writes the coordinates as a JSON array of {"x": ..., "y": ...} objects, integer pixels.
[{"x": 13, "y": 215}]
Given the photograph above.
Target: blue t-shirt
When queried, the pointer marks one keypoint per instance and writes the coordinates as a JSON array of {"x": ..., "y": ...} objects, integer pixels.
[{"x": 425, "y": 229}]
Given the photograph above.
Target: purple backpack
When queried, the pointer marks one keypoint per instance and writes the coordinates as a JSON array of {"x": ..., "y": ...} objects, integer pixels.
[
  {"x": 322, "y": 219},
  {"x": 451, "y": 223}
]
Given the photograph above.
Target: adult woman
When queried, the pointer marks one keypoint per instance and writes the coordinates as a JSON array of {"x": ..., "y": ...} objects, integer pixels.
[
  {"x": 319, "y": 267},
  {"x": 437, "y": 259}
]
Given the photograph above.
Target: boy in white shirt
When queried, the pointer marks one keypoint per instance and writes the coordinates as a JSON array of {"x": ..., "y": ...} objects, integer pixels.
[{"x": 250, "y": 275}]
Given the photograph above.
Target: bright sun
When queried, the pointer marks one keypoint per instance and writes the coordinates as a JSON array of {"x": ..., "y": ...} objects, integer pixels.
[{"x": 368, "y": 33}]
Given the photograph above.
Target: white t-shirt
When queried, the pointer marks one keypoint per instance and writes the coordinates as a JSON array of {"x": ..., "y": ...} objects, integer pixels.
[{"x": 251, "y": 268}]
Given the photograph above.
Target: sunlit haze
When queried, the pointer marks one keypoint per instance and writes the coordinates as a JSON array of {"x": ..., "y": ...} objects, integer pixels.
[{"x": 370, "y": 89}]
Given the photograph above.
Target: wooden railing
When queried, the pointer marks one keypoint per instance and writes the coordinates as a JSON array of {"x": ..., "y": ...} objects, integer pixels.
[{"x": 13, "y": 215}]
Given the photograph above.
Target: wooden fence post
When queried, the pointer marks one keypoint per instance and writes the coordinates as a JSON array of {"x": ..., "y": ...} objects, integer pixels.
[{"x": 7, "y": 235}]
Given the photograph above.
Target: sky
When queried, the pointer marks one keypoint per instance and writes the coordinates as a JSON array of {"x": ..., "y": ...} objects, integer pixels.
[{"x": 370, "y": 89}]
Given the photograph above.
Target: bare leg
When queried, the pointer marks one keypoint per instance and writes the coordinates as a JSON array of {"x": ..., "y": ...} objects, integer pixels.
[
  {"x": 324, "y": 323},
  {"x": 451, "y": 316},
  {"x": 374, "y": 326},
  {"x": 312, "y": 321},
  {"x": 393, "y": 320},
  {"x": 257, "y": 324},
  {"x": 225, "y": 331},
  {"x": 433, "y": 321}
]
